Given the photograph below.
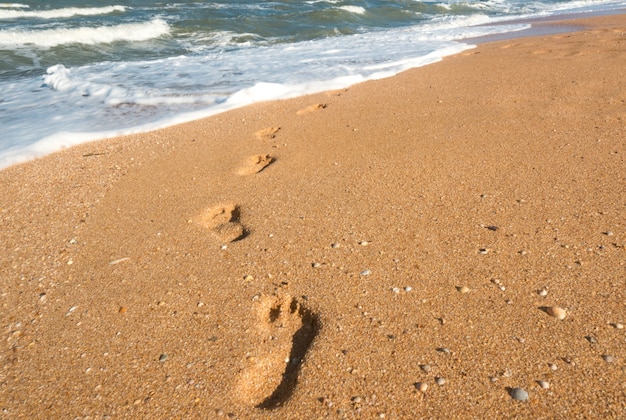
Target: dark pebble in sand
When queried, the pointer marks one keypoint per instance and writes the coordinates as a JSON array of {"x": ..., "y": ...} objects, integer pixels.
[{"x": 519, "y": 394}]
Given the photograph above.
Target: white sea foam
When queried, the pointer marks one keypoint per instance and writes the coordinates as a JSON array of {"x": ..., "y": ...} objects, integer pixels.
[
  {"x": 358, "y": 10},
  {"x": 13, "y": 6},
  {"x": 86, "y": 35},
  {"x": 58, "y": 13}
]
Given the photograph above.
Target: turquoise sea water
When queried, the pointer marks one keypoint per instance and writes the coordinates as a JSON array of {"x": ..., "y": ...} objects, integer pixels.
[{"x": 72, "y": 71}]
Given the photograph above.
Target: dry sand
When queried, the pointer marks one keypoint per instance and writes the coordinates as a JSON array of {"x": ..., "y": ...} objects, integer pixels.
[{"x": 331, "y": 255}]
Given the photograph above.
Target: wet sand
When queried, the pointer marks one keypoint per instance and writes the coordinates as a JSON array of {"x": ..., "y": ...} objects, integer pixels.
[{"x": 396, "y": 249}]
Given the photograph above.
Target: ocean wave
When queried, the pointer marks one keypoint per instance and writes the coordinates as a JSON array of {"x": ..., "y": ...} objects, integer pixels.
[
  {"x": 59, "y": 13},
  {"x": 86, "y": 35}
]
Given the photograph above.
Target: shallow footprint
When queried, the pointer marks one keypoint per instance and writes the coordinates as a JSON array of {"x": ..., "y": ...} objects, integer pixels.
[
  {"x": 223, "y": 221},
  {"x": 311, "y": 108},
  {"x": 267, "y": 133},
  {"x": 255, "y": 164},
  {"x": 286, "y": 330}
]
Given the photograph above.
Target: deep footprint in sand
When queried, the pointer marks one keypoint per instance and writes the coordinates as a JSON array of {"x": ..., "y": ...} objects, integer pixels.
[
  {"x": 223, "y": 221},
  {"x": 286, "y": 330},
  {"x": 311, "y": 108},
  {"x": 255, "y": 164},
  {"x": 267, "y": 133}
]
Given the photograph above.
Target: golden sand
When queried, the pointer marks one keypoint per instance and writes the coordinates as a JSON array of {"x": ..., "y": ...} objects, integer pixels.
[{"x": 394, "y": 249}]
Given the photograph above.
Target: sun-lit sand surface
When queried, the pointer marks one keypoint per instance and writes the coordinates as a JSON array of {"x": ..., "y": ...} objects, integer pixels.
[{"x": 436, "y": 244}]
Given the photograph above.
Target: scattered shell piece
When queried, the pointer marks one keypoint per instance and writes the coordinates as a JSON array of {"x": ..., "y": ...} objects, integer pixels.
[
  {"x": 556, "y": 312},
  {"x": 542, "y": 292},
  {"x": 395, "y": 289},
  {"x": 483, "y": 251},
  {"x": 335, "y": 245},
  {"x": 543, "y": 384},
  {"x": 618, "y": 326},
  {"x": 408, "y": 289},
  {"x": 591, "y": 339},
  {"x": 552, "y": 366},
  {"x": 608, "y": 233},
  {"x": 163, "y": 357},
  {"x": 440, "y": 381},
  {"x": 69, "y": 311},
  {"x": 365, "y": 273},
  {"x": 119, "y": 260},
  {"x": 364, "y": 243},
  {"x": 426, "y": 368},
  {"x": 248, "y": 277},
  {"x": 519, "y": 394},
  {"x": 123, "y": 310},
  {"x": 316, "y": 265}
]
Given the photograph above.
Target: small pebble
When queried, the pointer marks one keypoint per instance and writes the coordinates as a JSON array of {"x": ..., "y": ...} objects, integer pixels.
[
  {"x": 519, "y": 394},
  {"x": 542, "y": 292},
  {"x": 608, "y": 358},
  {"x": 408, "y": 289},
  {"x": 543, "y": 384},
  {"x": 552, "y": 366},
  {"x": 248, "y": 277},
  {"x": 316, "y": 265},
  {"x": 426, "y": 368},
  {"x": 444, "y": 350},
  {"x": 335, "y": 245},
  {"x": 364, "y": 243},
  {"x": 421, "y": 386},
  {"x": 440, "y": 381},
  {"x": 618, "y": 326},
  {"x": 395, "y": 290},
  {"x": 483, "y": 251},
  {"x": 365, "y": 272},
  {"x": 163, "y": 357},
  {"x": 463, "y": 289},
  {"x": 556, "y": 312},
  {"x": 356, "y": 400},
  {"x": 608, "y": 233},
  {"x": 591, "y": 339}
]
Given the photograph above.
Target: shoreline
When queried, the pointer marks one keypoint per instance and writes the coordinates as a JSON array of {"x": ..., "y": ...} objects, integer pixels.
[
  {"x": 417, "y": 246},
  {"x": 540, "y": 26}
]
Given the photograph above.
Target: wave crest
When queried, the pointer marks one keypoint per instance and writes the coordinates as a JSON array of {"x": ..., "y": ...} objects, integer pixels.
[
  {"x": 86, "y": 35},
  {"x": 59, "y": 13}
]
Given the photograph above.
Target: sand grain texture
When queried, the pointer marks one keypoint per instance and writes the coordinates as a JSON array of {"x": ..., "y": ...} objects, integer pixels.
[{"x": 501, "y": 170}]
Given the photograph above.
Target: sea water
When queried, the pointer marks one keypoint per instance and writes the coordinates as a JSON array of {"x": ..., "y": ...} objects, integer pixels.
[{"x": 73, "y": 71}]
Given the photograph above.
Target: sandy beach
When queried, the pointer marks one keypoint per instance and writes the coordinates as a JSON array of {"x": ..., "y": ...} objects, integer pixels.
[{"x": 446, "y": 243}]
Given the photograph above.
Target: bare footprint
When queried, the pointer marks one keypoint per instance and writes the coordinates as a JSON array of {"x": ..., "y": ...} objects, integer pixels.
[
  {"x": 255, "y": 164},
  {"x": 267, "y": 133},
  {"x": 311, "y": 108},
  {"x": 286, "y": 330},
  {"x": 223, "y": 221}
]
